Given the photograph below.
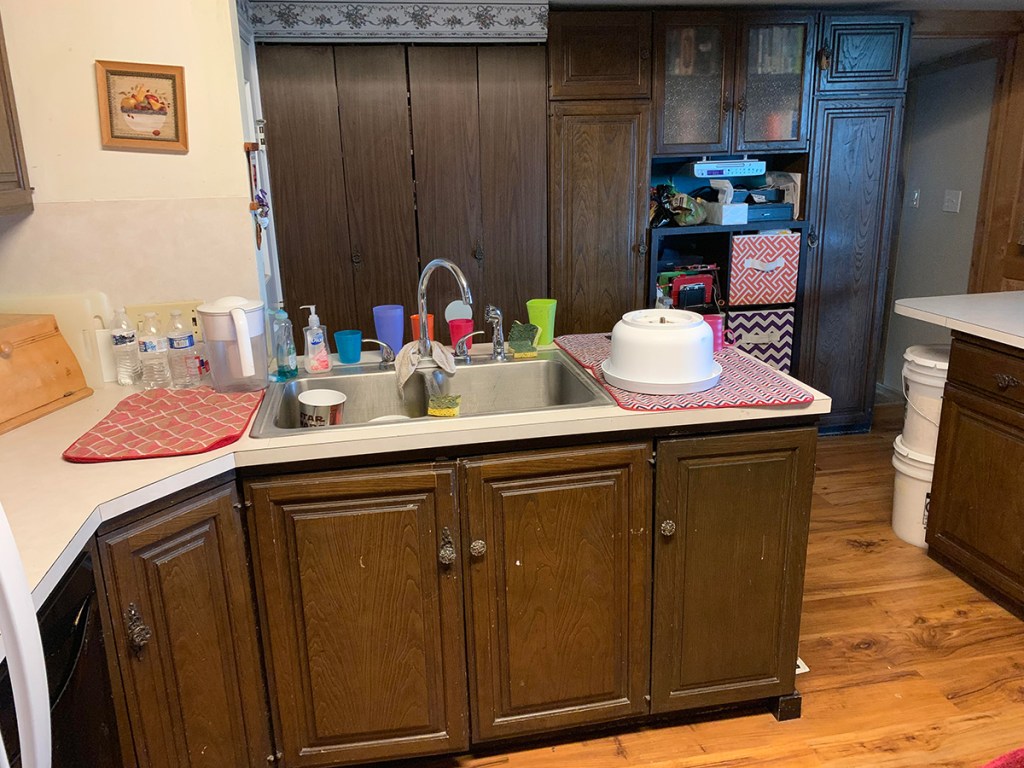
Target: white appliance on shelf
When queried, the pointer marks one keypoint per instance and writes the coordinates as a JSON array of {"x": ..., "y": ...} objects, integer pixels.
[{"x": 19, "y": 630}]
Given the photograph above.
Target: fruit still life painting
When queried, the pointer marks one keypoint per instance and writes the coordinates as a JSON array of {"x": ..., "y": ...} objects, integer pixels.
[{"x": 142, "y": 106}]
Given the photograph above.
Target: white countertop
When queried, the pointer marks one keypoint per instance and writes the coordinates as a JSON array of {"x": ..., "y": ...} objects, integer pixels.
[
  {"x": 54, "y": 506},
  {"x": 994, "y": 316}
]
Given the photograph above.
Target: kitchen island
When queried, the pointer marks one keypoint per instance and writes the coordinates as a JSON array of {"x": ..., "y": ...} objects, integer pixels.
[
  {"x": 414, "y": 588},
  {"x": 975, "y": 522}
]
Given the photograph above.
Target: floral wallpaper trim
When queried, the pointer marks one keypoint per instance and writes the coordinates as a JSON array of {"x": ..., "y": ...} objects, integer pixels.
[{"x": 464, "y": 21}]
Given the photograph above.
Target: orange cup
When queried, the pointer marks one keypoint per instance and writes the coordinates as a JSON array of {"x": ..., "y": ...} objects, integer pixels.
[{"x": 415, "y": 321}]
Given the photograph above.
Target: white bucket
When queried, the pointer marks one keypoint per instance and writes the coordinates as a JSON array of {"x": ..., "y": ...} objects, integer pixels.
[
  {"x": 912, "y": 492},
  {"x": 924, "y": 377}
]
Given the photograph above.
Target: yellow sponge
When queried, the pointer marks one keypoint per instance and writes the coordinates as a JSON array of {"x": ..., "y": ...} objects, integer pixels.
[{"x": 444, "y": 405}]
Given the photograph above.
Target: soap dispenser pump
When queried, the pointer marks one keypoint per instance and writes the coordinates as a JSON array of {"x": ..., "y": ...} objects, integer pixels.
[{"x": 318, "y": 357}]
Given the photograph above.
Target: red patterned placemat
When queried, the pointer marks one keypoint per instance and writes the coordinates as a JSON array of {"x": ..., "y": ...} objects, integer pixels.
[
  {"x": 166, "y": 422},
  {"x": 745, "y": 382}
]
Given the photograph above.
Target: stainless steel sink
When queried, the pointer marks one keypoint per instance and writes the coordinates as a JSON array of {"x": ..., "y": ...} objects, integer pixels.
[{"x": 551, "y": 380}]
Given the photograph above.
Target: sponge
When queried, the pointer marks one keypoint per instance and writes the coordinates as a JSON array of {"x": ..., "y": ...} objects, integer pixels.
[
  {"x": 522, "y": 338},
  {"x": 444, "y": 405}
]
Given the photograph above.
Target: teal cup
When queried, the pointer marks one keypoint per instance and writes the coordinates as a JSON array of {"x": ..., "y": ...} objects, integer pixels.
[
  {"x": 349, "y": 345},
  {"x": 542, "y": 314}
]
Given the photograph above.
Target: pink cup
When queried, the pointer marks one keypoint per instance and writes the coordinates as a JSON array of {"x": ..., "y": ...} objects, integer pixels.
[
  {"x": 459, "y": 327},
  {"x": 717, "y": 323}
]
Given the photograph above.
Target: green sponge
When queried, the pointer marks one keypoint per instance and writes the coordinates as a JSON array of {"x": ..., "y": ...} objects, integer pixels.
[
  {"x": 522, "y": 339},
  {"x": 444, "y": 405}
]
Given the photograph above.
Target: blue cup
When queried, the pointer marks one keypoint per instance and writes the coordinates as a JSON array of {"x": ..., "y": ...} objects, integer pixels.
[
  {"x": 389, "y": 322},
  {"x": 349, "y": 345}
]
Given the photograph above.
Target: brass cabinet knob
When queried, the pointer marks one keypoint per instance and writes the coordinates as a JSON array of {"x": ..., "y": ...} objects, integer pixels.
[
  {"x": 6, "y": 350},
  {"x": 668, "y": 527},
  {"x": 478, "y": 548}
]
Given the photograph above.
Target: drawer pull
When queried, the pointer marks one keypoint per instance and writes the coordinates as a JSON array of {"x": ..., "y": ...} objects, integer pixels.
[
  {"x": 1005, "y": 382},
  {"x": 138, "y": 633}
]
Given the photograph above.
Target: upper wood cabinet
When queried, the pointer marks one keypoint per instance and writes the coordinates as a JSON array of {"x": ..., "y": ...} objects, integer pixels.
[
  {"x": 179, "y": 593},
  {"x": 15, "y": 192},
  {"x": 558, "y": 572},
  {"x": 729, "y": 83},
  {"x": 730, "y": 531},
  {"x": 599, "y": 54},
  {"x": 361, "y": 587},
  {"x": 863, "y": 53}
]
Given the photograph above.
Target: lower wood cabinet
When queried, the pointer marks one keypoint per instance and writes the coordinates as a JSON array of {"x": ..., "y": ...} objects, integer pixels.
[
  {"x": 558, "y": 578},
  {"x": 361, "y": 588},
  {"x": 182, "y": 620},
  {"x": 731, "y": 524}
]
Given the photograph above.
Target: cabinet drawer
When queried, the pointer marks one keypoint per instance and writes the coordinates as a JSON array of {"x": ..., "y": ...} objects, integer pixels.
[{"x": 994, "y": 372}]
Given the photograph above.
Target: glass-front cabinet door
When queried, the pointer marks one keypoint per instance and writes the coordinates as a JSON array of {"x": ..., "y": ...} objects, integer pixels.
[
  {"x": 693, "y": 73},
  {"x": 772, "y": 83}
]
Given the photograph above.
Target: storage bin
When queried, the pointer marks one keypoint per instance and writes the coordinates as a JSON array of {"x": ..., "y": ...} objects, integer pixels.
[
  {"x": 763, "y": 269},
  {"x": 766, "y": 334},
  {"x": 924, "y": 378},
  {"x": 911, "y": 493}
]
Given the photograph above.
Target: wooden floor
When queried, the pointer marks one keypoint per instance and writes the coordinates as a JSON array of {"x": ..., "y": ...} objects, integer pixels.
[{"x": 909, "y": 666}]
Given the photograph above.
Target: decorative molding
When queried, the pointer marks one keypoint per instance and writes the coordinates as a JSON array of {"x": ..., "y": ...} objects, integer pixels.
[
  {"x": 244, "y": 8},
  {"x": 330, "y": 20}
]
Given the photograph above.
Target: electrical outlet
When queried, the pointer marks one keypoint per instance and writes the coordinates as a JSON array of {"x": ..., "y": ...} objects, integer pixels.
[
  {"x": 137, "y": 312},
  {"x": 951, "y": 201}
]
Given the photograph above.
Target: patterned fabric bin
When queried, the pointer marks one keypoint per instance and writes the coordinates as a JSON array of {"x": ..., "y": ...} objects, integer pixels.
[
  {"x": 763, "y": 269},
  {"x": 766, "y": 334}
]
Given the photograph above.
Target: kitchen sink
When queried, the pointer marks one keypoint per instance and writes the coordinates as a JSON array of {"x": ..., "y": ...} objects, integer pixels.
[{"x": 549, "y": 381}]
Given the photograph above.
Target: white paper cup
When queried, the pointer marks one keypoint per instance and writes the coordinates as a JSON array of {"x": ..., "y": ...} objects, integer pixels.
[{"x": 321, "y": 408}]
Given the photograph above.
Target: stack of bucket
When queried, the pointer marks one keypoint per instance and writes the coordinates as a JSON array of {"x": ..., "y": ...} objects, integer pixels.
[{"x": 924, "y": 377}]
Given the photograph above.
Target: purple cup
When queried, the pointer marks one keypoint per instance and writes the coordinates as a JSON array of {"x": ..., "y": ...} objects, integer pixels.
[{"x": 389, "y": 322}]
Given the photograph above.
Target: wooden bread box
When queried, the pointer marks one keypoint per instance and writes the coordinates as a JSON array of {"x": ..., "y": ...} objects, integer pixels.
[{"x": 38, "y": 371}]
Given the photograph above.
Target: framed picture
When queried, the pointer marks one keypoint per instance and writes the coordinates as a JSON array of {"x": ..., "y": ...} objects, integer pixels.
[{"x": 142, "y": 106}]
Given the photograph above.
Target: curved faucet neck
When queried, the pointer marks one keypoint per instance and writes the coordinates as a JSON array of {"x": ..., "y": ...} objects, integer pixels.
[{"x": 421, "y": 297}]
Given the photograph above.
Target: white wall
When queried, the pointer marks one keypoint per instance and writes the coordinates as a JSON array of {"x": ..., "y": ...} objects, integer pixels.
[
  {"x": 944, "y": 148},
  {"x": 139, "y": 226}
]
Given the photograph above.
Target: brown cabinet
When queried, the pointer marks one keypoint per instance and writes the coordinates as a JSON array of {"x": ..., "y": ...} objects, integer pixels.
[
  {"x": 181, "y": 609},
  {"x": 863, "y": 53},
  {"x": 598, "y": 172},
  {"x": 727, "y": 82},
  {"x": 599, "y": 54},
  {"x": 976, "y": 512},
  {"x": 15, "y": 192},
  {"x": 558, "y": 603},
  {"x": 730, "y": 532},
  {"x": 361, "y": 589}
]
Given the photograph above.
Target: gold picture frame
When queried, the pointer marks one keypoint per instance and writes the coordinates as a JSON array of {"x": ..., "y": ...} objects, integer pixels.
[{"x": 142, "y": 106}]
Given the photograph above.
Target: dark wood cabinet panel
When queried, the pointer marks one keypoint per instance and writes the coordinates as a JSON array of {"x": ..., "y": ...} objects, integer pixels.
[
  {"x": 864, "y": 53},
  {"x": 373, "y": 105},
  {"x": 364, "y": 634},
  {"x": 730, "y": 531},
  {"x": 598, "y": 172},
  {"x": 185, "y": 635},
  {"x": 15, "y": 192},
  {"x": 558, "y": 604},
  {"x": 300, "y": 103},
  {"x": 853, "y": 173},
  {"x": 600, "y": 54}
]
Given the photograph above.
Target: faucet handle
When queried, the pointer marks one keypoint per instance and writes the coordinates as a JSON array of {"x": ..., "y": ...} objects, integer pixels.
[
  {"x": 461, "y": 350},
  {"x": 387, "y": 354}
]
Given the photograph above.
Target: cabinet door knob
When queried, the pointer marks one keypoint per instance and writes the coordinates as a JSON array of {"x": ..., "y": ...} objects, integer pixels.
[
  {"x": 478, "y": 253},
  {"x": 824, "y": 58},
  {"x": 812, "y": 238},
  {"x": 447, "y": 552},
  {"x": 357, "y": 258},
  {"x": 6, "y": 350},
  {"x": 138, "y": 633},
  {"x": 478, "y": 548},
  {"x": 741, "y": 105},
  {"x": 668, "y": 527}
]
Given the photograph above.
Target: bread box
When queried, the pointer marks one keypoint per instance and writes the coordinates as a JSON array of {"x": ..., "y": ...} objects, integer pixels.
[{"x": 38, "y": 371}]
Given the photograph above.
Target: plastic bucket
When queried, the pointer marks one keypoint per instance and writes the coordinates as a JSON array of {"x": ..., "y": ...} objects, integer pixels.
[
  {"x": 924, "y": 377},
  {"x": 911, "y": 493}
]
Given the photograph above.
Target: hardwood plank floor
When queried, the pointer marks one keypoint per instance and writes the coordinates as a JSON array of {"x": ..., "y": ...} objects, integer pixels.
[{"x": 909, "y": 666}]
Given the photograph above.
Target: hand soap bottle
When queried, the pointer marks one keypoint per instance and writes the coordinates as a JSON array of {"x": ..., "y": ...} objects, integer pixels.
[{"x": 318, "y": 356}]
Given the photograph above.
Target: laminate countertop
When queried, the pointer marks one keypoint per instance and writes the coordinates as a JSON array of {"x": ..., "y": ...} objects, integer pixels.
[
  {"x": 994, "y": 316},
  {"x": 54, "y": 506}
]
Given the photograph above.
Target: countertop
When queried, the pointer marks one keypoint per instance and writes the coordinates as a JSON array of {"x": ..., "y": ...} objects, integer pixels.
[
  {"x": 54, "y": 507},
  {"x": 993, "y": 316}
]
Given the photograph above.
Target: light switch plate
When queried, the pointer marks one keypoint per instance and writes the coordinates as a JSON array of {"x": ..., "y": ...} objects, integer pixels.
[
  {"x": 951, "y": 201},
  {"x": 137, "y": 312},
  {"x": 915, "y": 198}
]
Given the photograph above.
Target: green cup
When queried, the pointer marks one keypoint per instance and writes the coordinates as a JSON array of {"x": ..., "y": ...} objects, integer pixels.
[{"x": 542, "y": 314}]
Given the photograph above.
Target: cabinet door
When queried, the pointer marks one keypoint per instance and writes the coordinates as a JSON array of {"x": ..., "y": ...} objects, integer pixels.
[
  {"x": 773, "y": 83},
  {"x": 976, "y": 514},
  {"x": 600, "y": 54},
  {"x": 598, "y": 211},
  {"x": 364, "y": 635},
  {"x": 847, "y": 257},
  {"x": 185, "y": 634},
  {"x": 558, "y": 603},
  {"x": 863, "y": 53},
  {"x": 15, "y": 192},
  {"x": 694, "y": 57},
  {"x": 730, "y": 532}
]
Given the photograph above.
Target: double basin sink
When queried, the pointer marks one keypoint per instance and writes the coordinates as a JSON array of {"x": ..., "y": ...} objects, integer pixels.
[{"x": 552, "y": 380}]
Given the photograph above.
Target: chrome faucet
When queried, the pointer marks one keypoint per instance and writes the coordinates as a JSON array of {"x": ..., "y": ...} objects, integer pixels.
[
  {"x": 492, "y": 315},
  {"x": 421, "y": 298}
]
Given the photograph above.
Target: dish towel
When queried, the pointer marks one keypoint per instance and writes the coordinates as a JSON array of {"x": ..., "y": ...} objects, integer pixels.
[
  {"x": 408, "y": 359},
  {"x": 166, "y": 422}
]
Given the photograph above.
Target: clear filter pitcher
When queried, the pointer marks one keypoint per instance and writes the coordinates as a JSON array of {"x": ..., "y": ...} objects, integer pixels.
[{"x": 233, "y": 328}]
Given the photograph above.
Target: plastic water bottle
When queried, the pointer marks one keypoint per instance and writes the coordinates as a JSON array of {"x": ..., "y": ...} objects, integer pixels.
[
  {"x": 181, "y": 352},
  {"x": 153, "y": 352},
  {"x": 126, "y": 349}
]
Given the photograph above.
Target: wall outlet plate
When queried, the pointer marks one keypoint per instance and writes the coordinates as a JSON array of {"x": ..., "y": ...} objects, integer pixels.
[
  {"x": 137, "y": 312},
  {"x": 951, "y": 201}
]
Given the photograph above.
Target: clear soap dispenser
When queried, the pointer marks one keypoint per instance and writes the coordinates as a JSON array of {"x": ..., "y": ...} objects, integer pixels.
[{"x": 318, "y": 357}]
